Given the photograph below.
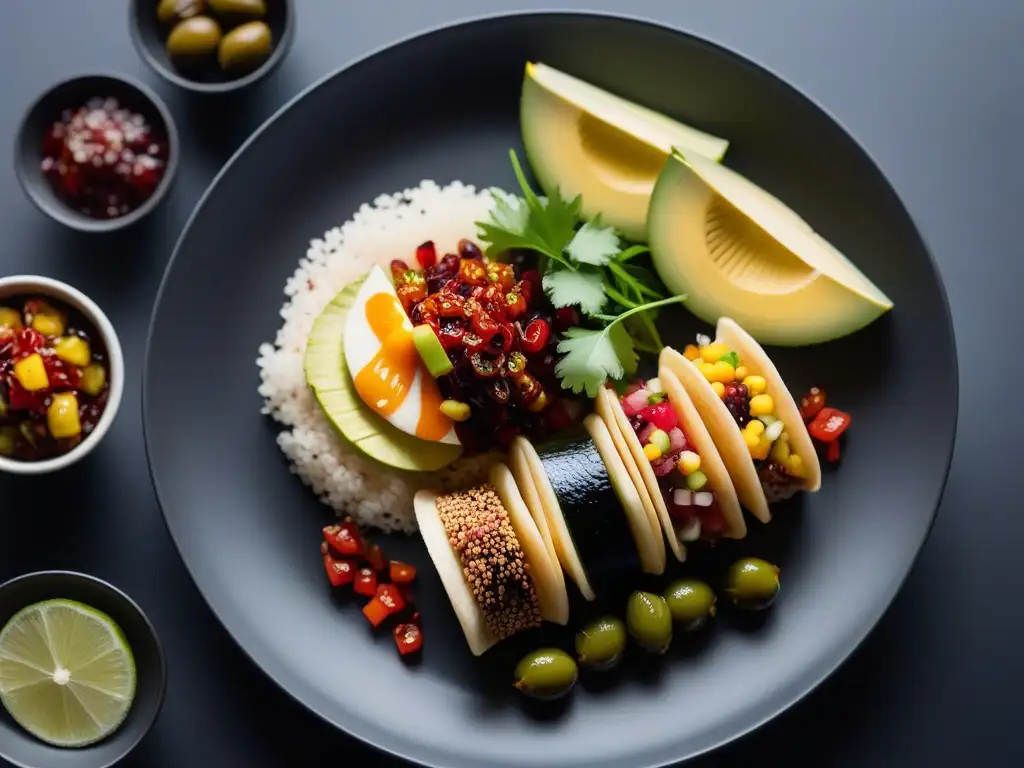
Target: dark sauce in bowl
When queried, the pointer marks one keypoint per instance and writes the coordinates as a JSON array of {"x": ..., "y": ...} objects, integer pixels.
[{"x": 54, "y": 378}]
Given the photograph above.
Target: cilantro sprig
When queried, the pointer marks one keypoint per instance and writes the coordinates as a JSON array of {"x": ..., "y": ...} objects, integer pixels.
[{"x": 583, "y": 265}]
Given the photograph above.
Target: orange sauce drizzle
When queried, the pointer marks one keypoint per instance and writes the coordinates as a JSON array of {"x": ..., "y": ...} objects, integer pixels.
[{"x": 384, "y": 382}]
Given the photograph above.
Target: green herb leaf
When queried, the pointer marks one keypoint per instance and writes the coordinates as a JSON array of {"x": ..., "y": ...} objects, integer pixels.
[
  {"x": 584, "y": 287},
  {"x": 591, "y": 357},
  {"x": 593, "y": 244},
  {"x": 656, "y": 398},
  {"x": 731, "y": 358}
]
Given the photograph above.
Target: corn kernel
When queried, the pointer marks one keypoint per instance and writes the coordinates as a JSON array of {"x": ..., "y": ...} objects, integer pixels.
[
  {"x": 742, "y": 373},
  {"x": 31, "y": 373},
  {"x": 691, "y": 352},
  {"x": 719, "y": 388},
  {"x": 713, "y": 352},
  {"x": 708, "y": 369},
  {"x": 751, "y": 440},
  {"x": 761, "y": 405},
  {"x": 48, "y": 324},
  {"x": 73, "y": 349},
  {"x": 764, "y": 445},
  {"x": 755, "y": 427},
  {"x": 94, "y": 377},
  {"x": 62, "y": 416},
  {"x": 455, "y": 410},
  {"x": 724, "y": 372},
  {"x": 689, "y": 462},
  {"x": 795, "y": 465},
  {"x": 755, "y": 384},
  {"x": 10, "y": 319},
  {"x": 652, "y": 452}
]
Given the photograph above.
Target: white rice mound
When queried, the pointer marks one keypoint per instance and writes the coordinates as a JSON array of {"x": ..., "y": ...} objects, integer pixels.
[{"x": 344, "y": 478}]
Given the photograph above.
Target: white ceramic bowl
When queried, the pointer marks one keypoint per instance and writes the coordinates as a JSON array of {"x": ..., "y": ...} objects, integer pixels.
[{"x": 45, "y": 286}]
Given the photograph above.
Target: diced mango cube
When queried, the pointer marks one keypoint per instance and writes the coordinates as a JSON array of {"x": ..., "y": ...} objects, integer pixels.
[
  {"x": 94, "y": 377},
  {"x": 31, "y": 373},
  {"x": 73, "y": 349},
  {"x": 714, "y": 351},
  {"x": 691, "y": 352},
  {"x": 48, "y": 324},
  {"x": 62, "y": 416},
  {"x": 10, "y": 319},
  {"x": 761, "y": 405},
  {"x": 755, "y": 384}
]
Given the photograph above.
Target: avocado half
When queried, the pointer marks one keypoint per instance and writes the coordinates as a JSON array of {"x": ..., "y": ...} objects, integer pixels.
[
  {"x": 328, "y": 376},
  {"x": 736, "y": 250},
  {"x": 583, "y": 140}
]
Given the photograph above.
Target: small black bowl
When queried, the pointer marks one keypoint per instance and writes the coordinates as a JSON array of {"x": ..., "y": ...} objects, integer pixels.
[
  {"x": 72, "y": 94},
  {"x": 19, "y": 747},
  {"x": 150, "y": 37}
]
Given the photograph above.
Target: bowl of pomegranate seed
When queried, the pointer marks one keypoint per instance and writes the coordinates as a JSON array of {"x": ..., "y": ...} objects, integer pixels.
[{"x": 97, "y": 152}]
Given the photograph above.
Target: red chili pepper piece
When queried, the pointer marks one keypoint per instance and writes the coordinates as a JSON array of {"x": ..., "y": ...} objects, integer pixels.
[
  {"x": 365, "y": 582},
  {"x": 535, "y": 335},
  {"x": 812, "y": 403},
  {"x": 473, "y": 272},
  {"x": 339, "y": 572},
  {"x": 20, "y": 399},
  {"x": 451, "y": 335},
  {"x": 515, "y": 304},
  {"x": 530, "y": 284},
  {"x": 426, "y": 254},
  {"x": 565, "y": 318},
  {"x": 387, "y": 601},
  {"x": 484, "y": 325},
  {"x": 345, "y": 538},
  {"x": 829, "y": 424},
  {"x": 487, "y": 366},
  {"x": 529, "y": 388},
  {"x": 451, "y": 305},
  {"x": 401, "y": 573},
  {"x": 410, "y": 293},
  {"x": 375, "y": 558},
  {"x": 472, "y": 342},
  {"x": 29, "y": 340},
  {"x": 408, "y": 638},
  {"x": 505, "y": 337},
  {"x": 501, "y": 274},
  {"x": 833, "y": 451},
  {"x": 398, "y": 270}
]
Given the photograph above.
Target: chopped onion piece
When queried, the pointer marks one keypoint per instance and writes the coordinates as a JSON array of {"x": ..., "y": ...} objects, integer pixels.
[
  {"x": 682, "y": 497},
  {"x": 654, "y": 385},
  {"x": 703, "y": 498},
  {"x": 690, "y": 530},
  {"x": 773, "y": 431}
]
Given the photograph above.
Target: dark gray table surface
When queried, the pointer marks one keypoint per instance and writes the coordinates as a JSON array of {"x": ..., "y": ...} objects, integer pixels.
[{"x": 933, "y": 89}]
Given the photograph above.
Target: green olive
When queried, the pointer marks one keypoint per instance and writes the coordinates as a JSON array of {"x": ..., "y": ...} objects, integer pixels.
[
  {"x": 545, "y": 674},
  {"x": 600, "y": 644},
  {"x": 173, "y": 11},
  {"x": 246, "y": 47},
  {"x": 752, "y": 583},
  {"x": 193, "y": 40},
  {"x": 649, "y": 621},
  {"x": 239, "y": 10},
  {"x": 691, "y": 603}
]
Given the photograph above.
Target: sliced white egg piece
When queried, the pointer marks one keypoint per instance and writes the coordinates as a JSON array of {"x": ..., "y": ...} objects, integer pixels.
[{"x": 387, "y": 372}]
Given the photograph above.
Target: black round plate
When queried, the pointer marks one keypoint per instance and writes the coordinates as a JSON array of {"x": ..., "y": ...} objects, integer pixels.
[{"x": 444, "y": 106}]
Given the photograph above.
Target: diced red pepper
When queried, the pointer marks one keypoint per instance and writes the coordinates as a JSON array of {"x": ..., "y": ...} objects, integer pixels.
[
  {"x": 339, "y": 572},
  {"x": 345, "y": 538},
  {"x": 484, "y": 325},
  {"x": 401, "y": 573},
  {"x": 536, "y": 335},
  {"x": 387, "y": 601},
  {"x": 833, "y": 451},
  {"x": 565, "y": 318},
  {"x": 501, "y": 274},
  {"x": 29, "y": 340},
  {"x": 375, "y": 558},
  {"x": 829, "y": 424},
  {"x": 20, "y": 399},
  {"x": 426, "y": 254},
  {"x": 410, "y": 293},
  {"x": 451, "y": 305},
  {"x": 473, "y": 272},
  {"x": 663, "y": 416},
  {"x": 515, "y": 304},
  {"x": 365, "y": 582},
  {"x": 812, "y": 403},
  {"x": 408, "y": 638}
]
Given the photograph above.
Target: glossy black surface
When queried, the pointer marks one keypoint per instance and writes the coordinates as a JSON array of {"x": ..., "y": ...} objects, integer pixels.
[
  {"x": 928, "y": 88},
  {"x": 220, "y": 476},
  {"x": 72, "y": 94},
  {"x": 150, "y": 38},
  {"x": 22, "y": 749}
]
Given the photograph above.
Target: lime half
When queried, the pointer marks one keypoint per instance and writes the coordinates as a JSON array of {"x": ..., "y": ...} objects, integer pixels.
[{"x": 67, "y": 675}]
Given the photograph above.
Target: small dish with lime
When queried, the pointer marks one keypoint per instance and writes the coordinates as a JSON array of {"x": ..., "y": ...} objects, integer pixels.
[{"x": 81, "y": 671}]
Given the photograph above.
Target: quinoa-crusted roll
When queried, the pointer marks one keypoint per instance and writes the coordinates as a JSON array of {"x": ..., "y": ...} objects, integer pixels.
[{"x": 492, "y": 560}]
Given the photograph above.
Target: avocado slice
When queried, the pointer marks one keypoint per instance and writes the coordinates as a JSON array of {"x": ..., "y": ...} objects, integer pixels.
[
  {"x": 583, "y": 140},
  {"x": 328, "y": 376},
  {"x": 738, "y": 251},
  {"x": 431, "y": 352}
]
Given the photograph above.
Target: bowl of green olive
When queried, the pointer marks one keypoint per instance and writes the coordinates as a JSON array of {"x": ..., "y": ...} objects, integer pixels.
[{"x": 213, "y": 46}]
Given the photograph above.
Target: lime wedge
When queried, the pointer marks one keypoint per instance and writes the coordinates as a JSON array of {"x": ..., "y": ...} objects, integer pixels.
[{"x": 67, "y": 675}]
